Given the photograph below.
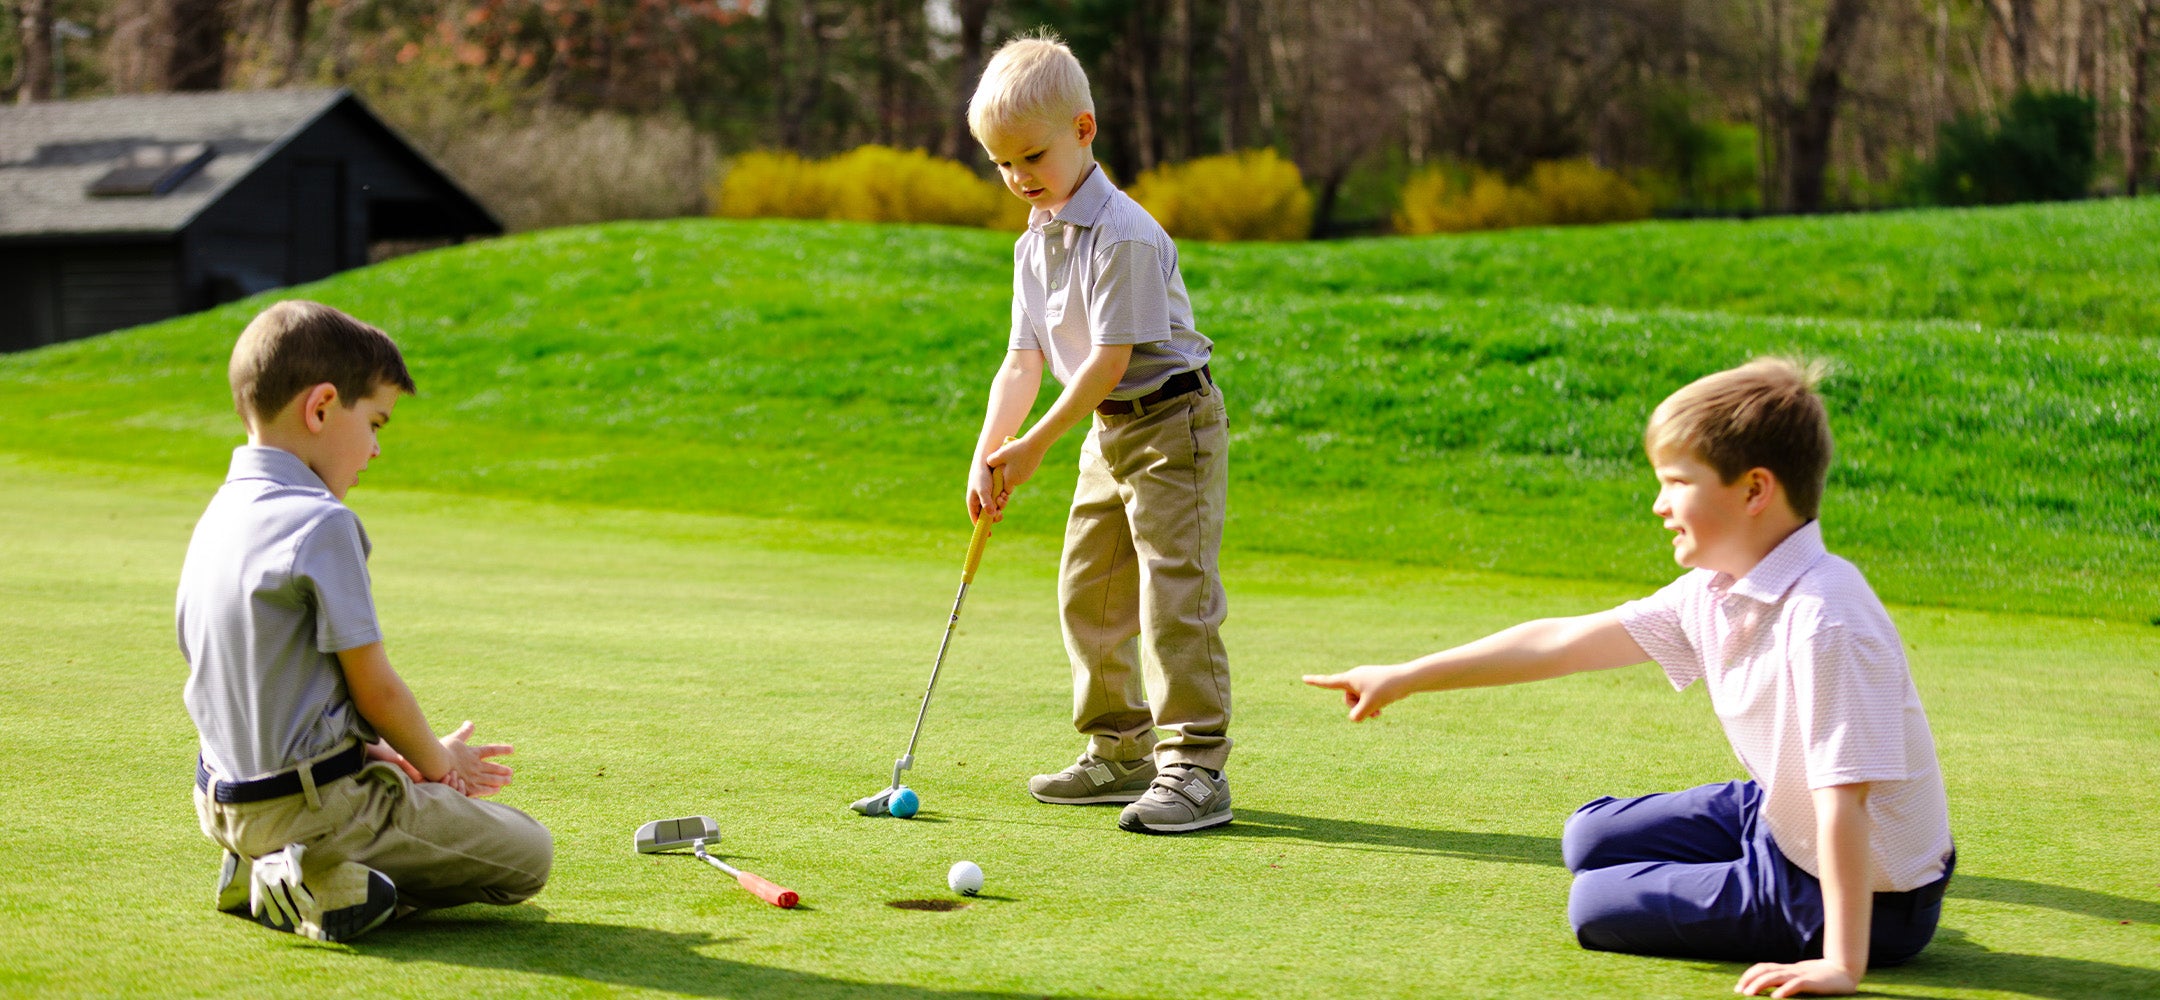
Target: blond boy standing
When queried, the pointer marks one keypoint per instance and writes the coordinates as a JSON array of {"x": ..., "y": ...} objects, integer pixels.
[
  {"x": 1097, "y": 295},
  {"x": 1834, "y": 854}
]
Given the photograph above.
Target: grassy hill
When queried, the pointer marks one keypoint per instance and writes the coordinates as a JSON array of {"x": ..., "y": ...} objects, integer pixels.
[{"x": 1467, "y": 402}]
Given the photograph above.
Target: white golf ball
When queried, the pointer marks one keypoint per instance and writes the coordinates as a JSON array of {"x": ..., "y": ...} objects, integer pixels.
[{"x": 965, "y": 878}]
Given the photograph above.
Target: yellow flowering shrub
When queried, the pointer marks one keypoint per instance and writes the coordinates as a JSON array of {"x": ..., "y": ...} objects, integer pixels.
[
  {"x": 1558, "y": 192},
  {"x": 1252, "y": 195},
  {"x": 865, "y": 184}
]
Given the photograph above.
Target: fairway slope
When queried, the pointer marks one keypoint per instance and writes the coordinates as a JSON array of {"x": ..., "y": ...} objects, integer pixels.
[{"x": 1471, "y": 402}]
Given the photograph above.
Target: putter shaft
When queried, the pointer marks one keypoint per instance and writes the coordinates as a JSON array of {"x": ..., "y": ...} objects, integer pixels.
[{"x": 907, "y": 759}]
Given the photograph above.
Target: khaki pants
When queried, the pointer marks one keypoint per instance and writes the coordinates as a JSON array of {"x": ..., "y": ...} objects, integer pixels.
[
  {"x": 1139, "y": 590},
  {"x": 437, "y": 846}
]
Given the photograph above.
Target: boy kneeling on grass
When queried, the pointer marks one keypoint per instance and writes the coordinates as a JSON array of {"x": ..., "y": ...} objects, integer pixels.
[
  {"x": 336, "y": 805},
  {"x": 1838, "y": 850}
]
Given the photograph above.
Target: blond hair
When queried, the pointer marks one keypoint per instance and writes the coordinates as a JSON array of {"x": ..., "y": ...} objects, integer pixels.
[
  {"x": 1031, "y": 78},
  {"x": 296, "y": 344},
  {"x": 1764, "y": 414}
]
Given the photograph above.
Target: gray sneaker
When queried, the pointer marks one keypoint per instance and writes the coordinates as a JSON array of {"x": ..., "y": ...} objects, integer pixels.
[
  {"x": 1093, "y": 780},
  {"x": 1182, "y": 799}
]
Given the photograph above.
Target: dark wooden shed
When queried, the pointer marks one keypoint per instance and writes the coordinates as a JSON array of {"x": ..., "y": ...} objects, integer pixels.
[{"x": 126, "y": 210}]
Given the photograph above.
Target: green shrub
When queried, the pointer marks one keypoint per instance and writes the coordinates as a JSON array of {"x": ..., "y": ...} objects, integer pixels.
[
  {"x": 2040, "y": 149},
  {"x": 1252, "y": 195},
  {"x": 1699, "y": 165},
  {"x": 865, "y": 184},
  {"x": 1446, "y": 199}
]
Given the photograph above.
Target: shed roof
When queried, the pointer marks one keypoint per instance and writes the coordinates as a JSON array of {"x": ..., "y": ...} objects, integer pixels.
[{"x": 52, "y": 152}]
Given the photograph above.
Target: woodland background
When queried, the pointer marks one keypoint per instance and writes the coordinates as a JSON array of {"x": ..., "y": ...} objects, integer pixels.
[{"x": 560, "y": 111}]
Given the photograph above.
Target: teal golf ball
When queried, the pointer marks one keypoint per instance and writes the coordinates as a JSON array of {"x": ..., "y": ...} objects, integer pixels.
[{"x": 904, "y": 802}]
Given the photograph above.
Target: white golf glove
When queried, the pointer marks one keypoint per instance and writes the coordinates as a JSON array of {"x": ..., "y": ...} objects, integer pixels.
[{"x": 276, "y": 895}]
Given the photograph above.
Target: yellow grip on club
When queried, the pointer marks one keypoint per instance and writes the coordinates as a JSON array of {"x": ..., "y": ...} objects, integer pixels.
[{"x": 982, "y": 526}]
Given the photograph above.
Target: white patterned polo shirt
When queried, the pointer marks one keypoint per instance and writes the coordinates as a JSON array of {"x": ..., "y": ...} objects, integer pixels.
[
  {"x": 1808, "y": 677},
  {"x": 1102, "y": 271}
]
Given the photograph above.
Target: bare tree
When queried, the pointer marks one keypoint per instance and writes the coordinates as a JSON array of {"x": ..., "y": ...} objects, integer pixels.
[
  {"x": 967, "y": 69},
  {"x": 1807, "y": 127},
  {"x": 197, "y": 58},
  {"x": 37, "y": 52},
  {"x": 1237, "y": 74},
  {"x": 2145, "y": 37}
]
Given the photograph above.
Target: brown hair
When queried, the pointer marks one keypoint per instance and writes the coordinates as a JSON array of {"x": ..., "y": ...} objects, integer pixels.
[
  {"x": 1762, "y": 415},
  {"x": 297, "y": 344}
]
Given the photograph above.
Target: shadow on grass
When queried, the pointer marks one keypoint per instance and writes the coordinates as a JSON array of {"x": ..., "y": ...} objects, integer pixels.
[
  {"x": 2054, "y": 897},
  {"x": 1955, "y": 961},
  {"x": 640, "y": 957},
  {"x": 1380, "y": 837}
]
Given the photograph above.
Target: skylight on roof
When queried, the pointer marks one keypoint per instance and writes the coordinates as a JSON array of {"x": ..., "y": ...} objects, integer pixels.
[{"x": 152, "y": 169}]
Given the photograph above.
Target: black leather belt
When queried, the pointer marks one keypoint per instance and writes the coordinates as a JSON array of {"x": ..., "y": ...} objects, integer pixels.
[
  {"x": 1178, "y": 385},
  {"x": 284, "y": 783}
]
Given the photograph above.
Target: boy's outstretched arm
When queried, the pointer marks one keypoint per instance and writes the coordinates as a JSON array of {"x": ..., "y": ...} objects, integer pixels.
[
  {"x": 1091, "y": 384},
  {"x": 1532, "y": 651},
  {"x": 1842, "y": 829},
  {"x": 388, "y": 705},
  {"x": 1012, "y": 395}
]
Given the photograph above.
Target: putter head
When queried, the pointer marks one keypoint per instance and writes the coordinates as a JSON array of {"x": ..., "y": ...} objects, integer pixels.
[
  {"x": 875, "y": 805},
  {"x": 669, "y": 834}
]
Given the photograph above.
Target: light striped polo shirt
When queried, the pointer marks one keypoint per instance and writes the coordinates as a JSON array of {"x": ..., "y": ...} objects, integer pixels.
[
  {"x": 1808, "y": 676},
  {"x": 1101, "y": 271},
  {"x": 275, "y": 584}
]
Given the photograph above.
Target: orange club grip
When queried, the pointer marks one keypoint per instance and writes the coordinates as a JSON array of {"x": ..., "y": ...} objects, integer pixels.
[{"x": 767, "y": 891}]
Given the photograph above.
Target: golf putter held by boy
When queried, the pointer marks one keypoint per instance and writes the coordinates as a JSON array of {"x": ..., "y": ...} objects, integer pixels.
[
  {"x": 1835, "y": 853},
  {"x": 336, "y": 805},
  {"x": 1098, "y": 297}
]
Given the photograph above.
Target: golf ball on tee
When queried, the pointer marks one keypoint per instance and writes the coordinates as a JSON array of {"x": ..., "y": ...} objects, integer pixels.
[
  {"x": 904, "y": 803},
  {"x": 965, "y": 878}
]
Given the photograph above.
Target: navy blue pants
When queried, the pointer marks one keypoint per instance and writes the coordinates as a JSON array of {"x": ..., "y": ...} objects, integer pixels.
[{"x": 1694, "y": 874}]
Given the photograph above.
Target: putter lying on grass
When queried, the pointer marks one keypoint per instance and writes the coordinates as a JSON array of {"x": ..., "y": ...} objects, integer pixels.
[
  {"x": 693, "y": 832},
  {"x": 881, "y": 804}
]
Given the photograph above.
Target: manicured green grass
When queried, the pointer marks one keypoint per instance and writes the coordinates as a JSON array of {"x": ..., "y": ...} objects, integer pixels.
[
  {"x": 678, "y": 513},
  {"x": 1472, "y": 403},
  {"x": 653, "y": 664}
]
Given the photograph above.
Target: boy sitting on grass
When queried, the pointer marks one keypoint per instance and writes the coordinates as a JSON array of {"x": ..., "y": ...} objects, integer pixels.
[
  {"x": 328, "y": 830},
  {"x": 1097, "y": 292},
  {"x": 1837, "y": 851}
]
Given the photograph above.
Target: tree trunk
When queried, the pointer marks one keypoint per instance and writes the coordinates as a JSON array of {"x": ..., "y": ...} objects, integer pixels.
[
  {"x": 1236, "y": 76},
  {"x": 2145, "y": 25},
  {"x": 198, "y": 45},
  {"x": 888, "y": 72},
  {"x": 2017, "y": 21},
  {"x": 783, "y": 101},
  {"x": 812, "y": 91},
  {"x": 1807, "y": 136},
  {"x": 36, "y": 72},
  {"x": 296, "y": 31},
  {"x": 1188, "y": 110},
  {"x": 974, "y": 16},
  {"x": 1143, "y": 40}
]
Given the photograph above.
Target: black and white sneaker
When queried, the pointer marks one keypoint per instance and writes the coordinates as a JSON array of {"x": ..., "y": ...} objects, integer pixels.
[
  {"x": 343, "y": 903},
  {"x": 1182, "y": 799}
]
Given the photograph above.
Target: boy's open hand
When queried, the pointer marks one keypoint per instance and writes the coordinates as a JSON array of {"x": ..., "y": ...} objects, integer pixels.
[
  {"x": 1366, "y": 689},
  {"x": 471, "y": 772},
  {"x": 1817, "y": 976}
]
